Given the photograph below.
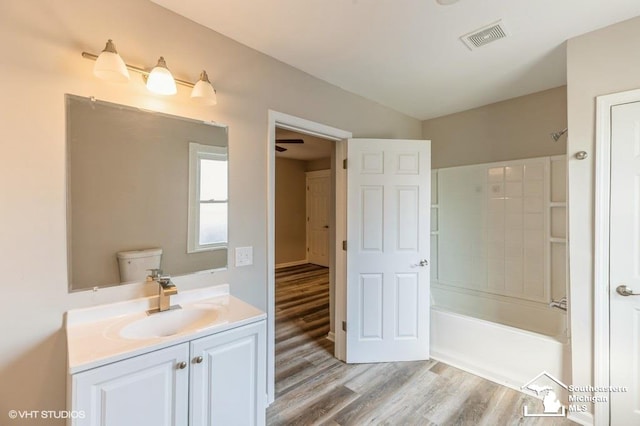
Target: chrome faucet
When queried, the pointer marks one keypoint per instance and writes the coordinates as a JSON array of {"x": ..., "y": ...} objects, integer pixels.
[{"x": 166, "y": 289}]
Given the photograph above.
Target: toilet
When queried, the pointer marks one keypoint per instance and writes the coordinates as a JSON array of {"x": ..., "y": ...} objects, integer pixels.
[{"x": 134, "y": 265}]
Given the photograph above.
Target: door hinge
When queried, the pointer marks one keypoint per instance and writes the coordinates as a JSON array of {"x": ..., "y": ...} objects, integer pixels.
[
  {"x": 344, "y": 326},
  {"x": 344, "y": 245},
  {"x": 344, "y": 164}
]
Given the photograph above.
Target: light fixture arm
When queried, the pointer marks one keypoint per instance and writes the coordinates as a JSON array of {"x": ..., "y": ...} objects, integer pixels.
[
  {"x": 204, "y": 77},
  {"x": 142, "y": 71},
  {"x": 110, "y": 47}
]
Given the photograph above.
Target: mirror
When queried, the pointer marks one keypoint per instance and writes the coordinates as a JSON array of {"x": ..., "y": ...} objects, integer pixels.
[{"x": 140, "y": 180}]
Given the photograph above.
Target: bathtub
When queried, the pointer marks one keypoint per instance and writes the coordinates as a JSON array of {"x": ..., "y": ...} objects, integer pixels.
[{"x": 505, "y": 355}]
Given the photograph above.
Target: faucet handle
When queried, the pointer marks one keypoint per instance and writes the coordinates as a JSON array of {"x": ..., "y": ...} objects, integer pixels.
[
  {"x": 155, "y": 274},
  {"x": 164, "y": 279}
]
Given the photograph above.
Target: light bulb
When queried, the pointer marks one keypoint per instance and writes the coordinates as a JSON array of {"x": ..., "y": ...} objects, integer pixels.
[
  {"x": 160, "y": 80},
  {"x": 203, "y": 90},
  {"x": 110, "y": 66}
]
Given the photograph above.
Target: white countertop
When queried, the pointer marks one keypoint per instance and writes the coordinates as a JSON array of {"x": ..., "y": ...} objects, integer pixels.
[{"x": 92, "y": 333}]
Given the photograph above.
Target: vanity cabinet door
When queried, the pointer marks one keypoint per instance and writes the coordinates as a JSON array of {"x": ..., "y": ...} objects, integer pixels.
[
  {"x": 150, "y": 389},
  {"x": 228, "y": 378}
]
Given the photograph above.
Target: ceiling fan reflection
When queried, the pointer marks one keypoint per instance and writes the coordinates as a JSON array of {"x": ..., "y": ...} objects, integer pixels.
[{"x": 284, "y": 141}]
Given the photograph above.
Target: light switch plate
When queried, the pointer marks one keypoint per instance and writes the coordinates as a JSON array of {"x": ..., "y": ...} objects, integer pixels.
[{"x": 244, "y": 256}]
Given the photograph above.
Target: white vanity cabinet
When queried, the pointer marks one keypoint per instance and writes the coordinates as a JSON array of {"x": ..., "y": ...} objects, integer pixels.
[
  {"x": 228, "y": 378},
  {"x": 219, "y": 379},
  {"x": 149, "y": 389}
]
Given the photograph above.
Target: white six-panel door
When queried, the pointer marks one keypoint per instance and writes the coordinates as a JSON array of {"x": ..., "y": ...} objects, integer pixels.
[
  {"x": 318, "y": 213},
  {"x": 625, "y": 263},
  {"x": 388, "y": 221}
]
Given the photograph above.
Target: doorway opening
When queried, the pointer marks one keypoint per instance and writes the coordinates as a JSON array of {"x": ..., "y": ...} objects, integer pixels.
[
  {"x": 337, "y": 227},
  {"x": 304, "y": 179}
]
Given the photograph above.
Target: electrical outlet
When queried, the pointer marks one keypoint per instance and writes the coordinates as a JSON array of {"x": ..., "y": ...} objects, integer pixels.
[{"x": 244, "y": 256}]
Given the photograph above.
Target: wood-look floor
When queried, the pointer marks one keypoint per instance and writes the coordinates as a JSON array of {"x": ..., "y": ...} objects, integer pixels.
[{"x": 314, "y": 388}]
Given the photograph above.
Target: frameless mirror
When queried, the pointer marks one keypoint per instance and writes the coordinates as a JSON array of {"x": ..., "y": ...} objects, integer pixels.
[{"x": 140, "y": 180}]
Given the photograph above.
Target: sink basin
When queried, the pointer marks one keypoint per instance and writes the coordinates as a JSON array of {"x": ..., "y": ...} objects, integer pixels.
[{"x": 169, "y": 323}]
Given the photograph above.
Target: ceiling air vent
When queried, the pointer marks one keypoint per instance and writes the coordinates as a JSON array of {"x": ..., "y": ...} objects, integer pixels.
[{"x": 484, "y": 35}]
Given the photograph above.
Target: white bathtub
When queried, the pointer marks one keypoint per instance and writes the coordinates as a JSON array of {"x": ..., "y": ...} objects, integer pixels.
[{"x": 505, "y": 355}]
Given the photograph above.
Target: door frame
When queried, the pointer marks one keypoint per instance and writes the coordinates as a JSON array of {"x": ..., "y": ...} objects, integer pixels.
[
  {"x": 337, "y": 258},
  {"x": 314, "y": 174},
  {"x": 601, "y": 355}
]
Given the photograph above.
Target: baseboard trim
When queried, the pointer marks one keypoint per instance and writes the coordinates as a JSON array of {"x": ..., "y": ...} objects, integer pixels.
[
  {"x": 331, "y": 336},
  {"x": 294, "y": 263}
]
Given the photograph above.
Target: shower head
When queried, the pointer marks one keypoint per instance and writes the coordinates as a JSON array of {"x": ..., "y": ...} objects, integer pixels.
[{"x": 558, "y": 135}]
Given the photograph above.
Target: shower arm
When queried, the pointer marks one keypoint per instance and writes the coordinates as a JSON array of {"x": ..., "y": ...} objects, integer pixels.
[
  {"x": 560, "y": 304},
  {"x": 558, "y": 135}
]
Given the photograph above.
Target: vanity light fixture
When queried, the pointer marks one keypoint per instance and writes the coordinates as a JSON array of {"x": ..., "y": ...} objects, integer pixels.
[
  {"x": 110, "y": 66},
  {"x": 203, "y": 91},
  {"x": 160, "y": 80}
]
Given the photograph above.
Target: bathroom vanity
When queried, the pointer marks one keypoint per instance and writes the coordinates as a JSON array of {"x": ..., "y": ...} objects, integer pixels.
[{"x": 202, "y": 364}]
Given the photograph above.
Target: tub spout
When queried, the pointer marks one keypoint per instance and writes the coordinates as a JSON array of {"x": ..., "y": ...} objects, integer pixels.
[{"x": 560, "y": 304}]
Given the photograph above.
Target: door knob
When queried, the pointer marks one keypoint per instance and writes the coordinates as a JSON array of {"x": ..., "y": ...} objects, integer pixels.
[
  {"x": 182, "y": 365},
  {"x": 326, "y": 227},
  {"x": 423, "y": 262},
  {"x": 197, "y": 360},
  {"x": 623, "y": 290}
]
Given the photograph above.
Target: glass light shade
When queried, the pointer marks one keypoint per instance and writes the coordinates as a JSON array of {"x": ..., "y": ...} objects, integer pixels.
[
  {"x": 160, "y": 80},
  {"x": 203, "y": 91},
  {"x": 110, "y": 66}
]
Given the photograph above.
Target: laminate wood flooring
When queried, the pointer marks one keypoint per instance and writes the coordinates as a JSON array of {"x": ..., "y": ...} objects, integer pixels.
[{"x": 314, "y": 388}]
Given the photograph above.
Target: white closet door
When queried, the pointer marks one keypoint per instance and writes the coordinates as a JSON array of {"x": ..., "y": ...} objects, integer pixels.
[
  {"x": 318, "y": 215},
  {"x": 625, "y": 263}
]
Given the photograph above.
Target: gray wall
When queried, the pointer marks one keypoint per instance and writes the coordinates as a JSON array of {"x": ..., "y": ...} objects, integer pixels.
[
  {"x": 320, "y": 164},
  {"x": 508, "y": 130},
  {"x": 598, "y": 63},
  {"x": 41, "y": 62},
  {"x": 291, "y": 206},
  {"x": 291, "y": 226}
]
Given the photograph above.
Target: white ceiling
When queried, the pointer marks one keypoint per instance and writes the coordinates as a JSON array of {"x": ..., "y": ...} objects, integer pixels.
[{"x": 406, "y": 54}]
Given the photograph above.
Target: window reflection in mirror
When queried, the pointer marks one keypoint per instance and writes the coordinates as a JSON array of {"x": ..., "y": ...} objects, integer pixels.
[
  {"x": 128, "y": 189},
  {"x": 207, "y": 197}
]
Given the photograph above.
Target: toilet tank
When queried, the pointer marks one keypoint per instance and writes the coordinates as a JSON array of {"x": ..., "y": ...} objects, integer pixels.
[{"x": 134, "y": 265}]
